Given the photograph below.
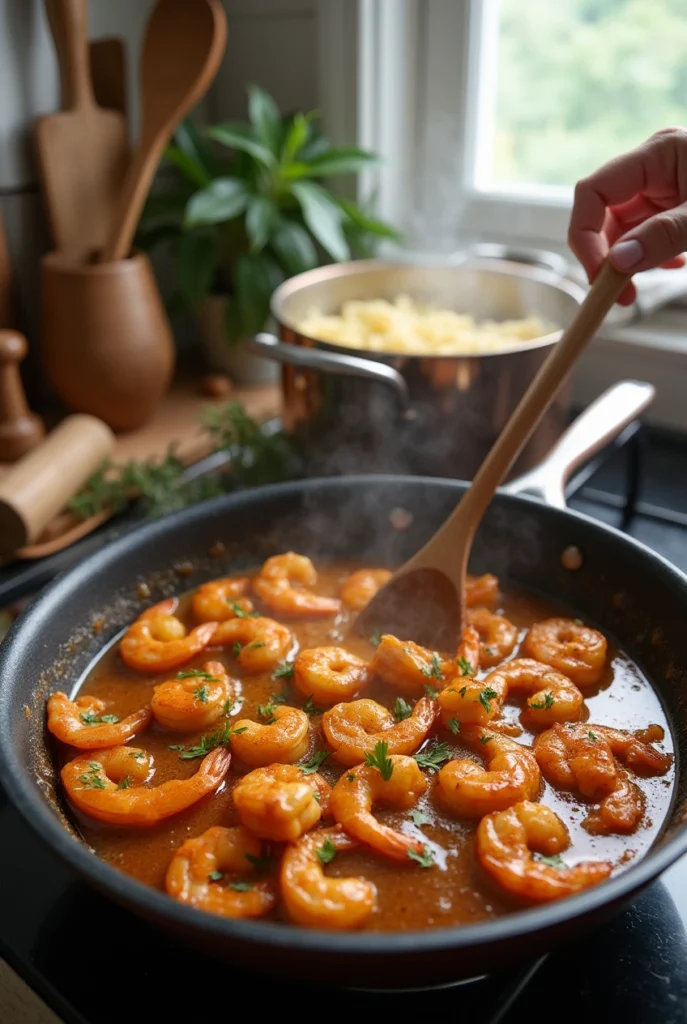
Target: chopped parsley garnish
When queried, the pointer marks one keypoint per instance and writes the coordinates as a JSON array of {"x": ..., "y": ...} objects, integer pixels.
[
  {"x": 454, "y": 725},
  {"x": 491, "y": 651},
  {"x": 380, "y": 760},
  {"x": 463, "y": 690},
  {"x": 91, "y": 779},
  {"x": 267, "y": 710},
  {"x": 465, "y": 667},
  {"x": 236, "y": 649},
  {"x": 124, "y": 783},
  {"x": 88, "y": 718},
  {"x": 433, "y": 757},
  {"x": 548, "y": 702},
  {"x": 351, "y": 777},
  {"x": 326, "y": 852},
  {"x": 578, "y": 622},
  {"x": 260, "y": 863},
  {"x": 229, "y": 705},
  {"x": 239, "y": 612},
  {"x": 485, "y": 696},
  {"x": 256, "y": 645},
  {"x": 137, "y": 755},
  {"x": 420, "y": 818},
  {"x": 425, "y": 859},
  {"x": 241, "y": 886},
  {"x": 485, "y": 738},
  {"x": 376, "y": 638},
  {"x": 284, "y": 671},
  {"x": 310, "y": 708},
  {"x": 555, "y": 861},
  {"x": 592, "y": 735},
  {"x": 201, "y": 694},
  {"x": 431, "y": 691},
  {"x": 402, "y": 709},
  {"x": 208, "y": 743},
  {"x": 433, "y": 670},
  {"x": 314, "y": 763},
  {"x": 215, "y": 876},
  {"x": 279, "y": 698},
  {"x": 197, "y": 673}
]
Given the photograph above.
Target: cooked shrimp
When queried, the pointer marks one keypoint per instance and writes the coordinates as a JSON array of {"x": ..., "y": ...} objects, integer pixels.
[
  {"x": 284, "y": 737},
  {"x": 194, "y": 700},
  {"x": 101, "y": 786},
  {"x": 408, "y": 667},
  {"x": 196, "y": 874},
  {"x": 472, "y": 701},
  {"x": 468, "y": 655},
  {"x": 570, "y": 647},
  {"x": 551, "y": 695},
  {"x": 314, "y": 901},
  {"x": 222, "y": 599},
  {"x": 511, "y": 775},
  {"x": 353, "y": 729},
  {"x": 481, "y": 590},
  {"x": 280, "y": 585},
  {"x": 635, "y": 750},
  {"x": 505, "y": 844},
  {"x": 360, "y": 587},
  {"x": 82, "y": 724},
  {"x": 583, "y": 758},
  {"x": 330, "y": 674},
  {"x": 499, "y": 636},
  {"x": 280, "y": 802},
  {"x": 356, "y": 792},
  {"x": 258, "y": 644},
  {"x": 158, "y": 642}
]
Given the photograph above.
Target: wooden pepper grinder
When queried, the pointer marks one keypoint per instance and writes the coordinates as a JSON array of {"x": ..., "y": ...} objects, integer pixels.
[{"x": 20, "y": 429}]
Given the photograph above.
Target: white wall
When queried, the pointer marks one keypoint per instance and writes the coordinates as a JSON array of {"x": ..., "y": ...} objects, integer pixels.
[{"x": 271, "y": 42}]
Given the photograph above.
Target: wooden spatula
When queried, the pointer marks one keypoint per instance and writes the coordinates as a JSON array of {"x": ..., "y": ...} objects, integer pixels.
[
  {"x": 424, "y": 600},
  {"x": 82, "y": 151},
  {"x": 183, "y": 47}
]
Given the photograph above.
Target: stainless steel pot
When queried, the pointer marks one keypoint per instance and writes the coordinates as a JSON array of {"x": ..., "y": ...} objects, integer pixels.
[{"x": 437, "y": 415}]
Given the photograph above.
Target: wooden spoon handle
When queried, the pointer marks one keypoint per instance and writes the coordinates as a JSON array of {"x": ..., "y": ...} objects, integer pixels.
[
  {"x": 69, "y": 25},
  {"x": 139, "y": 178},
  {"x": 605, "y": 290}
]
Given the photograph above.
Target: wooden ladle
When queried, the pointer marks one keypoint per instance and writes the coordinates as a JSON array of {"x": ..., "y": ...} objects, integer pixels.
[
  {"x": 184, "y": 44},
  {"x": 424, "y": 600}
]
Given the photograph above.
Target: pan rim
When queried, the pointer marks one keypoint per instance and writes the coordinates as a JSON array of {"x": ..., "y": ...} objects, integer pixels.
[{"x": 17, "y": 783}]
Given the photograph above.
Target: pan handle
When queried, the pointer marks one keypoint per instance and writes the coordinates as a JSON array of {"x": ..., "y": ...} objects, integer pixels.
[
  {"x": 270, "y": 347},
  {"x": 593, "y": 429}
]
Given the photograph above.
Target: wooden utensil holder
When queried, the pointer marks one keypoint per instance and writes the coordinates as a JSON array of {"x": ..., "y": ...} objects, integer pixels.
[{"x": 108, "y": 348}]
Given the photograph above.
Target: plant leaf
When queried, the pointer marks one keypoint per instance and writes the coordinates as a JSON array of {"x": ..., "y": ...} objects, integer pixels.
[
  {"x": 223, "y": 200},
  {"x": 254, "y": 282},
  {"x": 260, "y": 219},
  {"x": 189, "y": 167},
  {"x": 196, "y": 264},
  {"x": 165, "y": 208},
  {"x": 190, "y": 141},
  {"x": 295, "y": 139},
  {"x": 323, "y": 217},
  {"x": 340, "y": 161},
  {"x": 265, "y": 118},
  {"x": 238, "y": 136},
  {"x": 293, "y": 247},
  {"x": 365, "y": 222}
]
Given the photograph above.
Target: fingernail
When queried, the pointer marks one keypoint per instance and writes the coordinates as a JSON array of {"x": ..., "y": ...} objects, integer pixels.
[{"x": 626, "y": 255}]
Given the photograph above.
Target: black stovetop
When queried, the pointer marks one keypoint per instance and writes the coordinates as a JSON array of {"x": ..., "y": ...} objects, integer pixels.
[{"x": 94, "y": 962}]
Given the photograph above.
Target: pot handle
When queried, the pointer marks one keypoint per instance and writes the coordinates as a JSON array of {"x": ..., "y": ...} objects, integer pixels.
[
  {"x": 270, "y": 347},
  {"x": 593, "y": 429}
]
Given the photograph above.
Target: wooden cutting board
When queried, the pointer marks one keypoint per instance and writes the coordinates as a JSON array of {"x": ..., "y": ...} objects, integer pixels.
[
  {"x": 82, "y": 151},
  {"x": 108, "y": 72}
]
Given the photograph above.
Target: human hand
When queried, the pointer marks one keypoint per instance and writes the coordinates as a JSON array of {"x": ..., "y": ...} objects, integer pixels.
[{"x": 634, "y": 210}]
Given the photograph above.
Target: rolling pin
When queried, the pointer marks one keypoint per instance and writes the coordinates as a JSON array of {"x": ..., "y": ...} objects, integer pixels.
[{"x": 38, "y": 486}]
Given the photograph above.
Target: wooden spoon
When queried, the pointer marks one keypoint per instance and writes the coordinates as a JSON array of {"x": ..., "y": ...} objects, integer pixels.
[
  {"x": 184, "y": 44},
  {"x": 82, "y": 150},
  {"x": 424, "y": 600}
]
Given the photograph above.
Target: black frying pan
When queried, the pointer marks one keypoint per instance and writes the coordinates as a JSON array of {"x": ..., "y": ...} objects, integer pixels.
[{"x": 629, "y": 592}]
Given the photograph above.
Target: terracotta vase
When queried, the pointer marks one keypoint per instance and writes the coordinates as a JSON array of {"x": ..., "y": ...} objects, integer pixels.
[{"x": 108, "y": 348}]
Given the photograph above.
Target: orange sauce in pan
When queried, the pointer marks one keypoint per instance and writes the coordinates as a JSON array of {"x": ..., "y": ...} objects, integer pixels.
[{"x": 455, "y": 891}]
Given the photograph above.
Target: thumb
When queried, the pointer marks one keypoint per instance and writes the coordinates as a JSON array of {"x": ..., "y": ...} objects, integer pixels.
[{"x": 653, "y": 243}]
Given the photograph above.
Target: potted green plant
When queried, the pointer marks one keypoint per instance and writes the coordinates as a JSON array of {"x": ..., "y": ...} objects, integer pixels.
[{"x": 246, "y": 208}]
